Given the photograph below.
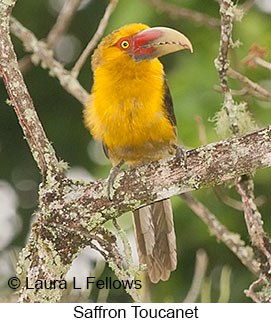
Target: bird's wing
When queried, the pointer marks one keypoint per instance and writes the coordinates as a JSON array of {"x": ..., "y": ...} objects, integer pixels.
[
  {"x": 168, "y": 105},
  {"x": 106, "y": 150}
]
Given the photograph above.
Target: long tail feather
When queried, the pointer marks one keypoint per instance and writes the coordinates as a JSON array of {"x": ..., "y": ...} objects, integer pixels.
[{"x": 156, "y": 241}]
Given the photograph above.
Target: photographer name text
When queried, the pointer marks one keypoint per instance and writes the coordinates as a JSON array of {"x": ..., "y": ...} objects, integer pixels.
[{"x": 89, "y": 282}]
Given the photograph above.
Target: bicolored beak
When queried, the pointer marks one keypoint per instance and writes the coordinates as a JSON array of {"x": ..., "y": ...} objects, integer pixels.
[{"x": 158, "y": 41}]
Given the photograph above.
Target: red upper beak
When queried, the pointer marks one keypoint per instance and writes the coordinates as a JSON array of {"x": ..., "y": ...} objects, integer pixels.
[{"x": 158, "y": 41}]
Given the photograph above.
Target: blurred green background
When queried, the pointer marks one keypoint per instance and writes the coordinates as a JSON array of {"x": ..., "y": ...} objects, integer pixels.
[{"x": 191, "y": 79}]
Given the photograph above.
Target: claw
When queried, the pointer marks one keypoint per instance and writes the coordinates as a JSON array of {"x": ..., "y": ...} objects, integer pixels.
[
  {"x": 114, "y": 171},
  {"x": 181, "y": 155}
]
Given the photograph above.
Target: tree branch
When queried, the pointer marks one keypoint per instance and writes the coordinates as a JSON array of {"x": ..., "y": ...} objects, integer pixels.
[
  {"x": 244, "y": 184},
  {"x": 232, "y": 240},
  {"x": 245, "y": 91},
  {"x": 260, "y": 241},
  {"x": 60, "y": 27},
  {"x": 263, "y": 63},
  {"x": 262, "y": 296},
  {"x": 97, "y": 36},
  {"x": 71, "y": 214},
  {"x": 63, "y": 21},
  {"x": 199, "y": 273},
  {"x": 255, "y": 86},
  {"x": 41, "y": 148},
  {"x": 222, "y": 62},
  {"x": 208, "y": 165},
  {"x": 177, "y": 12},
  {"x": 43, "y": 53}
]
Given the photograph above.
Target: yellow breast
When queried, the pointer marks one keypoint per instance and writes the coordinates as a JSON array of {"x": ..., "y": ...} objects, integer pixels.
[{"x": 126, "y": 111}]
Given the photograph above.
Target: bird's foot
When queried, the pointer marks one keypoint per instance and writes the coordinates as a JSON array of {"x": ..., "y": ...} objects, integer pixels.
[
  {"x": 181, "y": 155},
  {"x": 115, "y": 170}
]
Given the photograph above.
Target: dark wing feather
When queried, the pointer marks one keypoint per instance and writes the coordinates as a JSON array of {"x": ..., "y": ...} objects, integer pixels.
[
  {"x": 105, "y": 148},
  {"x": 168, "y": 104}
]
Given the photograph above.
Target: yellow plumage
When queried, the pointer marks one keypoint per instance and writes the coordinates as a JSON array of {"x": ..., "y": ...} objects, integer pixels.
[{"x": 126, "y": 109}]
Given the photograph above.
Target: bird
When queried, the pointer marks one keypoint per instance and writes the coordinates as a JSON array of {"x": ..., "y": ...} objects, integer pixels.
[{"x": 130, "y": 110}]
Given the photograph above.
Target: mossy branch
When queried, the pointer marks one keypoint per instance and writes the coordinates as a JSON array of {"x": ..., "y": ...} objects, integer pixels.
[
  {"x": 72, "y": 213},
  {"x": 40, "y": 146},
  {"x": 240, "y": 121},
  {"x": 43, "y": 54}
]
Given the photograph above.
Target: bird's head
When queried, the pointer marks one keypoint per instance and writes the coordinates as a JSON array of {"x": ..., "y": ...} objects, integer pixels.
[{"x": 139, "y": 42}]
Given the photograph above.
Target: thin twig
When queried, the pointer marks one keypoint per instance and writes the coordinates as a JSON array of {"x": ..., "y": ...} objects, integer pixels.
[
  {"x": 115, "y": 261},
  {"x": 224, "y": 285},
  {"x": 260, "y": 241},
  {"x": 237, "y": 205},
  {"x": 247, "y": 5},
  {"x": 25, "y": 63},
  {"x": 132, "y": 268},
  {"x": 97, "y": 36},
  {"x": 201, "y": 130},
  {"x": 222, "y": 62},
  {"x": 232, "y": 240},
  {"x": 263, "y": 63},
  {"x": 245, "y": 91},
  {"x": 68, "y": 81},
  {"x": 244, "y": 7},
  {"x": 251, "y": 291},
  {"x": 255, "y": 86},
  {"x": 60, "y": 27},
  {"x": 63, "y": 21},
  {"x": 177, "y": 12},
  {"x": 199, "y": 274}
]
